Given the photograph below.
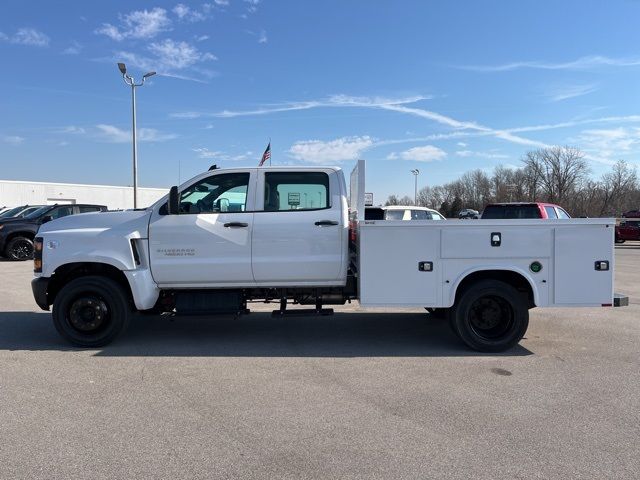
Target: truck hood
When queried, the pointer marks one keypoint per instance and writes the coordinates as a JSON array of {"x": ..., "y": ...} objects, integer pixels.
[{"x": 129, "y": 223}]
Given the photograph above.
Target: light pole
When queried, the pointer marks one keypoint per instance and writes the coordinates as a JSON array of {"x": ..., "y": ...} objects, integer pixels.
[
  {"x": 129, "y": 80},
  {"x": 415, "y": 172}
]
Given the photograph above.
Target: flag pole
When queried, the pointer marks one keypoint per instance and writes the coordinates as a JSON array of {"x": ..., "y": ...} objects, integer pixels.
[{"x": 270, "y": 154}]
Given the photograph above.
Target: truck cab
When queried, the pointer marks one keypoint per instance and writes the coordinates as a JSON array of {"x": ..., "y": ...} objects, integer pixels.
[{"x": 253, "y": 227}]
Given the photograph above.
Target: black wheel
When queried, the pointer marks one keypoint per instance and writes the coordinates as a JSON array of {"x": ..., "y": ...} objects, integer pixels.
[
  {"x": 490, "y": 316},
  {"x": 91, "y": 311},
  {"x": 19, "y": 248},
  {"x": 619, "y": 240}
]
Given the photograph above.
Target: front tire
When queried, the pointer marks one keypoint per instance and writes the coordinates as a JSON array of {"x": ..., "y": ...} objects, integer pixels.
[
  {"x": 91, "y": 311},
  {"x": 19, "y": 249},
  {"x": 490, "y": 316}
]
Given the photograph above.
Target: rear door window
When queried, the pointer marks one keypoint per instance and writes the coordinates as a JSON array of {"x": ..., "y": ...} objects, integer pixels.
[
  {"x": 285, "y": 191},
  {"x": 551, "y": 212},
  {"x": 88, "y": 209},
  {"x": 420, "y": 215},
  {"x": 60, "y": 212},
  {"x": 562, "y": 213}
]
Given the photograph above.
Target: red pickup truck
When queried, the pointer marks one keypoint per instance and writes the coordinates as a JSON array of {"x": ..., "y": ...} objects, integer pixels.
[{"x": 628, "y": 229}]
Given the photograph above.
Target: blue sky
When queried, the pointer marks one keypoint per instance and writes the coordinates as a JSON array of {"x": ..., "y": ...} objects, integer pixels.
[{"x": 441, "y": 86}]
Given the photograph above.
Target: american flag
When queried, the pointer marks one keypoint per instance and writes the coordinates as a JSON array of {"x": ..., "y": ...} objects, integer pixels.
[{"x": 266, "y": 155}]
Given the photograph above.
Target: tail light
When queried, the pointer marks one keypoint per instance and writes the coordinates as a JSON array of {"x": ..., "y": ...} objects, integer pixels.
[{"x": 37, "y": 255}]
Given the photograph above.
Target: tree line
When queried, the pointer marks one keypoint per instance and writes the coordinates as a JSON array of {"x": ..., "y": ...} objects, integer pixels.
[{"x": 558, "y": 175}]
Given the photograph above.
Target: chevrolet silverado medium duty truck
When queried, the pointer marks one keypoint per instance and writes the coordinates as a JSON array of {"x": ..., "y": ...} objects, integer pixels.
[{"x": 296, "y": 235}]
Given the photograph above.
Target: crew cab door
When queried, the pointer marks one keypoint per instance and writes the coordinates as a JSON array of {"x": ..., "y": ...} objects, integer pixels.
[
  {"x": 299, "y": 233},
  {"x": 209, "y": 242}
]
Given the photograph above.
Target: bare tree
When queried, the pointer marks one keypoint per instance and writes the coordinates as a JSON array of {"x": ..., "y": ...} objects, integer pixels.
[
  {"x": 616, "y": 187},
  {"x": 392, "y": 200},
  {"x": 558, "y": 175},
  {"x": 559, "y": 171}
]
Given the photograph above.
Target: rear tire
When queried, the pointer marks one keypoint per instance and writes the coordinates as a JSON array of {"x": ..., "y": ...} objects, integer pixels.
[
  {"x": 19, "y": 249},
  {"x": 619, "y": 240},
  {"x": 91, "y": 311},
  {"x": 490, "y": 316}
]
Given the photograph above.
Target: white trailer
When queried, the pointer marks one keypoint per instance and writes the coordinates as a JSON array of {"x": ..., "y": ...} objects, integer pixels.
[{"x": 294, "y": 235}]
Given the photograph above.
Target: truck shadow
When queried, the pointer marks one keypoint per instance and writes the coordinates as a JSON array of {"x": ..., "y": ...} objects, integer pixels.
[{"x": 258, "y": 335}]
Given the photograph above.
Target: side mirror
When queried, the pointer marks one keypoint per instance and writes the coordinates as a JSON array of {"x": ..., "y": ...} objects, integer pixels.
[
  {"x": 173, "y": 205},
  {"x": 46, "y": 218}
]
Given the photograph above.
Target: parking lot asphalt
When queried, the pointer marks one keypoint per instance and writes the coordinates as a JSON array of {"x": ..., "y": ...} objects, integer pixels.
[{"x": 362, "y": 394}]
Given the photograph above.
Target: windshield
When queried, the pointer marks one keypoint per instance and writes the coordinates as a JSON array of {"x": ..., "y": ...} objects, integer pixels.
[
  {"x": 39, "y": 211},
  {"x": 11, "y": 212}
]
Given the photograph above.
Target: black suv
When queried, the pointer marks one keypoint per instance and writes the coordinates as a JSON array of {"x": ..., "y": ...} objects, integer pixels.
[{"x": 16, "y": 234}]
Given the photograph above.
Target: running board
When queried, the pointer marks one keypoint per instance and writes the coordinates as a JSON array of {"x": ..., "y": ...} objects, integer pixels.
[{"x": 302, "y": 312}]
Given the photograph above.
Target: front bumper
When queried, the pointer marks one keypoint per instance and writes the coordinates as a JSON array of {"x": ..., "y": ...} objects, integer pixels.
[{"x": 39, "y": 287}]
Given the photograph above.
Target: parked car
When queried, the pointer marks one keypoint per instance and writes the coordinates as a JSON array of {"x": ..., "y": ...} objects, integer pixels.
[
  {"x": 631, "y": 214},
  {"x": 627, "y": 230},
  {"x": 19, "y": 212},
  {"x": 16, "y": 234},
  {"x": 468, "y": 213},
  {"x": 523, "y": 210},
  {"x": 401, "y": 212}
]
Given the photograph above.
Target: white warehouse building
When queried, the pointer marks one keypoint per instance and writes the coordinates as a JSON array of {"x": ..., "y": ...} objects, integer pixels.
[{"x": 14, "y": 193}]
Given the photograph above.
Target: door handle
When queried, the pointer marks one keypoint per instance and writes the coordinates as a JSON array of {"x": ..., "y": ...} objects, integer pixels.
[
  {"x": 236, "y": 224},
  {"x": 322, "y": 223}
]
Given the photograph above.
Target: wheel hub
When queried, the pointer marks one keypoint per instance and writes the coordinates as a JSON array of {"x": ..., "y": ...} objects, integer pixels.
[
  {"x": 88, "y": 314},
  {"x": 22, "y": 250},
  {"x": 490, "y": 317}
]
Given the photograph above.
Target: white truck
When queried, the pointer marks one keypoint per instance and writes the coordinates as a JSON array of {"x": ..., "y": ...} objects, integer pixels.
[{"x": 294, "y": 235}]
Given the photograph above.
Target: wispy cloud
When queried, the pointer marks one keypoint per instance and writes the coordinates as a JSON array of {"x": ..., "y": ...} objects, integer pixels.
[
  {"x": 426, "y": 153},
  {"x": 609, "y": 144},
  {"x": 188, "y": 14},
  {"x": 74, "y": 49},
  {"x": 72, "y": 129},
  {"x": 399, "y": 105},
  {"x": 558, "y": 94},
  {"x": 262, "y": 38},
  {"x": 333, "y": 101},
  {"x": 13, "y": 139},
  {"x": 252, "y": 5},
  {"x": 113, "y": 134},
  {"x": 138, "y": 24},
  {"x": 574, "y": 123},
  {"x": 471, "y": 153},
  {"x": 27, "y": 36},
  {"x": 583, "y": 63},
  {"x": 204, "y": 152},
  {"x": 338, "y": 150},
  {"x": 168, "y": 57}
]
